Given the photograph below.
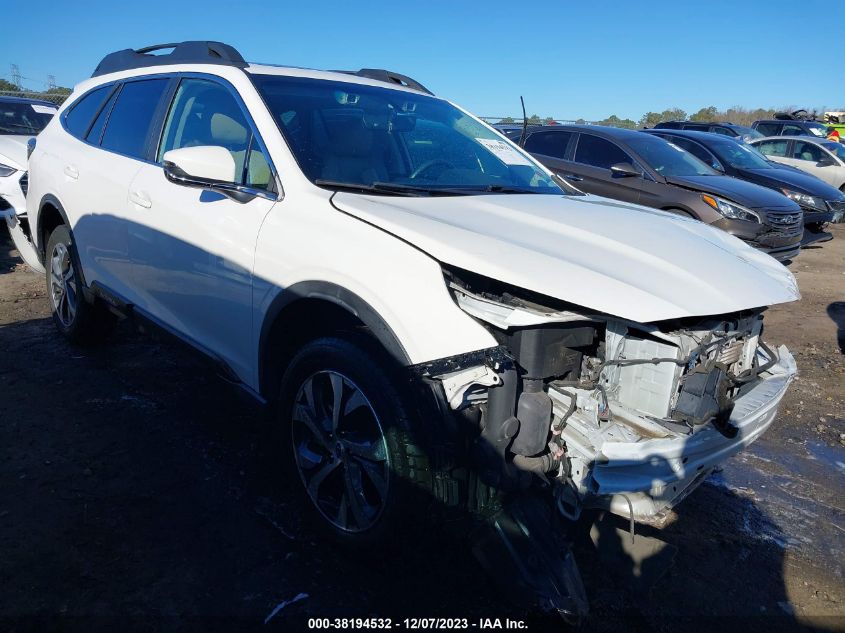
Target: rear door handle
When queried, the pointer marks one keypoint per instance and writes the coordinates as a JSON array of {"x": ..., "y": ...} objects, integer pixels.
[
  {"x": 71, "y": 172},
  {"x": 140, "y": 198}
]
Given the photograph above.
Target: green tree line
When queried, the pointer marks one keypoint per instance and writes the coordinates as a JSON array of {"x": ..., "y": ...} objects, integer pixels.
[
  {"x": 737, "y": 115},
  {"x": 57, "y": 94}
]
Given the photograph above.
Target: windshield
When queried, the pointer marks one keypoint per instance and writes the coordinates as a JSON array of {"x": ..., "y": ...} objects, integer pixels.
[
  {"x": 747, "y": 133},
  {"x": 346, "y": 134},
  {"x": 668, "y": 159},
  {"x": 738, "y": 155},
  {"x": 835, "y": 148},
  {"x": 20, "y": 117}
]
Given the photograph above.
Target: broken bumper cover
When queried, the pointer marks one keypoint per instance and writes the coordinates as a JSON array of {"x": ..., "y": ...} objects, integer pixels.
[
  {"x": 654, "y": 475},
  {"x": 11, "y": 213}
]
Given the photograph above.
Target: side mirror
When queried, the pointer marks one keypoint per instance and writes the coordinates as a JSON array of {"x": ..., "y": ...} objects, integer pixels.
[
  {"x": 200, "y": 165},
  {"x": 206, "y": 167},
  {"x": 825, "y": 161},
  {"x": 625, "y": 170}
]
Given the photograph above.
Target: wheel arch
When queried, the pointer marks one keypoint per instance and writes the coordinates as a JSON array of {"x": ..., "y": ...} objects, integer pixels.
[
  {"x": 51, "y": 214},
  {"x": 313, "y": 308}
]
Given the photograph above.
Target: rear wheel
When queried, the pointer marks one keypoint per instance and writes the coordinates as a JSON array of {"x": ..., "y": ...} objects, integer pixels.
[
  {"x": 75, "y": 318},
  {"x": 349, "y": 438}
]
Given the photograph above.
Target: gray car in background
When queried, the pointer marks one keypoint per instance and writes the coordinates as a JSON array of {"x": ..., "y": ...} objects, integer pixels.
[{"x": 634, "y": 167}]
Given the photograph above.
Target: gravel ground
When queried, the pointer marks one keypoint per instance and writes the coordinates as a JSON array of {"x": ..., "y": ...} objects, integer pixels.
[{"x": 137, "y": 493}]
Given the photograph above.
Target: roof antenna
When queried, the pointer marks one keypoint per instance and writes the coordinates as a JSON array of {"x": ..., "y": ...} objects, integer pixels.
[{"x": 524, "y": 123}]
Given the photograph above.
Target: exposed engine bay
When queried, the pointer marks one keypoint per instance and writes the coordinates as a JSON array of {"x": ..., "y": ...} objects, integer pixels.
[{"x": 610, "y": 413}]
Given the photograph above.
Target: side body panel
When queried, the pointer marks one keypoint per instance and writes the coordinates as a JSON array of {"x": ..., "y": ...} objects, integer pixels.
[{"x": 307, "y": 238}]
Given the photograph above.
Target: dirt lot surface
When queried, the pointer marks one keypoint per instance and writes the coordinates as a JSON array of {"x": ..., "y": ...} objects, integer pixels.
[{"x": 136, "y": 493}]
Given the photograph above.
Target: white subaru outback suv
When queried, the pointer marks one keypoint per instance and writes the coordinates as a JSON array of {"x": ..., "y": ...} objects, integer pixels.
[{"x": 440, "y": 324}]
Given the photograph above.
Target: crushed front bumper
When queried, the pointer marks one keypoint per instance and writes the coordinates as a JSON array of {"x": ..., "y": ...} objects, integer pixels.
[
  {"x": 653, "y": 475},
  {"x": 14, "y": 213}
]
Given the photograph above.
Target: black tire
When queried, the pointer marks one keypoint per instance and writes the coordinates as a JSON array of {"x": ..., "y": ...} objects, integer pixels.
[
  {"x": 79, "y": 321},
  {"x": 407, "y": 476}
]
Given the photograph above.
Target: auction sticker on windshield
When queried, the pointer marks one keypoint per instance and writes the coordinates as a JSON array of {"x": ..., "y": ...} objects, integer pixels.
[{"x": 504, "y": 152}]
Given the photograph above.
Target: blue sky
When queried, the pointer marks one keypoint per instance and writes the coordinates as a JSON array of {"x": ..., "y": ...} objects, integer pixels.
[{"x": 569, "y": 59}]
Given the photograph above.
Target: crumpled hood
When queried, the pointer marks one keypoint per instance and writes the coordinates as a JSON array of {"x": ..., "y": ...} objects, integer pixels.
[
  {"x": 740, "y": 191},
  {"x": 620, "y": 259},
  {"x": 13, "y": 150}
]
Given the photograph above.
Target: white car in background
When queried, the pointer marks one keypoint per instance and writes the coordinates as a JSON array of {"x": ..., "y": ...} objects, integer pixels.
[
  {"x": 444, "y": 328},
  {"x": 20, "y": 120},
  {"x": 817, "y": 156}
]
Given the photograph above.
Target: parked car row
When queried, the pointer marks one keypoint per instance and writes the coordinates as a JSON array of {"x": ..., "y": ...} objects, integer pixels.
[
  {"x": 443, "y": 329},
  {"x": 700, "y": 174}
]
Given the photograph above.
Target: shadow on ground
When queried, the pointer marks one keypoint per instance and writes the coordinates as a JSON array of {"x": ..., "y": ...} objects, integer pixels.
[
  {"x": 137, "y": 493},
  {"x": 836, "y": 311}
]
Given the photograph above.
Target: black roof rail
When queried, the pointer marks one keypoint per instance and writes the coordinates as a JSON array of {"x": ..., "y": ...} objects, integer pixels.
[
  {"x": 182, "y": 53},
  {"x": 388, "y": 76}
]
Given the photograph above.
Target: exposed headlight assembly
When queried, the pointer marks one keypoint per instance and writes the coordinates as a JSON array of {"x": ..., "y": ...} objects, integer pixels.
[
  {"x": 5, "y": 170},
  {"x": 805, "y": 200},
  {"x": 730, "y": 209}
]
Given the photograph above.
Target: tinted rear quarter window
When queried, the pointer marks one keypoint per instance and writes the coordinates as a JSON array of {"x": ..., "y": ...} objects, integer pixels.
[
  {"x": 548, "y": 143},
  {"x": 96, "y": 131},
  {"x": 132, "y": 115},
  {"x": 598, "y": 152},
  {"x": 78, "y": 119}
]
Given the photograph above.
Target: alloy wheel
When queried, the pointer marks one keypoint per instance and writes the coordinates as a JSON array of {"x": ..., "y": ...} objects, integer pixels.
[
  {"x": 64, "y": 289},
  {"x": 340, "y": 451}
]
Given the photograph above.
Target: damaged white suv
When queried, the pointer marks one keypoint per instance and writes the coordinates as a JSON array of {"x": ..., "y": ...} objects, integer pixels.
[
  {"x": 20, "y": 120},
  {"x": 442, "y": 326}
]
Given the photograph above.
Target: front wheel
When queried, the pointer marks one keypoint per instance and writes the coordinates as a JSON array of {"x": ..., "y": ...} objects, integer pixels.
[
  {"x": 74, "y": 317},
  {"x": 350, "y": 440}
]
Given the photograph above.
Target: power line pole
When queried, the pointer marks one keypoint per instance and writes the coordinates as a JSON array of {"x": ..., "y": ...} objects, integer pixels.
[
  {"x": 16, "y": 76},
  {"x": 51, "y": 82}
]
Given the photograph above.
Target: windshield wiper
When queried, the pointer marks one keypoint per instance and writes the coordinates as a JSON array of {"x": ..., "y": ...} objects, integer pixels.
[
  {"x": 391, "y": 187},
  {"x": 31, "y": 129},
  {"x": 373, "y": 188}
]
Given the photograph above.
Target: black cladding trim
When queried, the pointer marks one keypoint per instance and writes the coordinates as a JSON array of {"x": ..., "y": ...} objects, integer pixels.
[{"x": 492, "y": 357}]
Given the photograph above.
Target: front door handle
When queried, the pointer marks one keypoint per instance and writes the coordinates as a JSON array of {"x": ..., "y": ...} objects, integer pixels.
[
  {"x": 140, "y": 198},
  {"x": 573, "y": 177},
  {"x": 71, "y": 172}
]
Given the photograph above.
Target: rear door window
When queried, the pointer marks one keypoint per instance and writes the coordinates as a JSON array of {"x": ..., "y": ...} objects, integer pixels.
[
  {"x": 78, "y": 119},
  {"x": 793, "y": 130},
  {"x": 773, "y": 148},
  {"x": 599, "y": 152},
  {"x": 693, "y": 148},
  {"x": 131, "y": 117},
  {"x": 548, "y": 143},
  {"x": 768, "y": 129}
]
